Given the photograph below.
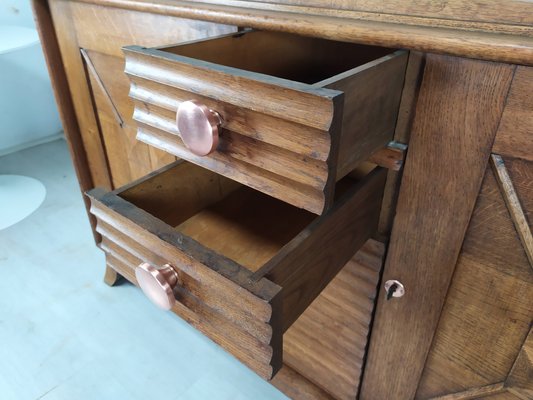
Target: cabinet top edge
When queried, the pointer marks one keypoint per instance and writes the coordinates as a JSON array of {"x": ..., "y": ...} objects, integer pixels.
[{"x": 478, "y": 40}]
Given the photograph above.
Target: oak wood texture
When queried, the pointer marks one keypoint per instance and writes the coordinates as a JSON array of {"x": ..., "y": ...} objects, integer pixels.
[
  {"x": 98, "y": 88},
  {"x": 520, "y": 379},
  {"x": 521, "y": 175},
  {"x": 488, "y": 11},
  {"x": 413, "y": 79},
  {"x": 488, "y": 313},
  {"x": 296, "y": 386},
  {"x": 324, "y": 349},
  {"x": 128, "y": 159},
  {"x": 484, "y": 328},
  {"x": 95, "y": 77},
  {"x": 331, "y": 335},
  {"x": 485, "y": 392},
  {"x": 101, "y": 31},
  {"x": 371, "y": 102},
  {"x": 512, "y": 201},
  {"x": 494, "y": 31},
  {"x": 111, "y": 276},
  {"x": 515, "y": 134},
  {"x": 459, "y": 107},
  {"x": 291, "y": 139},
  {"x": 78, "y": 84},
  {"x": 249, "y": 264},
  {"x": 390, "y": 157}
]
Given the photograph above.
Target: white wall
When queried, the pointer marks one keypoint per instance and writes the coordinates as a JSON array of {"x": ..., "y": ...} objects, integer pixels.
[
  {"x": 16, "y": 12},
  {"x": 28, "y": 113}
]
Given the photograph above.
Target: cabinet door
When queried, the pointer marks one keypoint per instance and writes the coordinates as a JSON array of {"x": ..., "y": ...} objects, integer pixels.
[
  {"x": 461, "y": 244},
  {"x": 483, "y": 346},
  {"x": 489, "y": 307}
]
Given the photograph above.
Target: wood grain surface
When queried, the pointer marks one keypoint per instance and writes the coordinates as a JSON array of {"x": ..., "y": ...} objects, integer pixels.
[
  {"x": 327, "y": 343},
  {"x": 371, "y": 104},
  {"x": 291, "y": 139},
  {"x": 128, "y": 158},
  {"x": 520, "y": 379},
  {"x": 458, "y": 111},
  {"x": 296, "y": 386},
  {"x": 242, "y": 322},
  {"x": 496, "y": 40},
  {"x": 487, "y": 313},
  {"x": 515, "y": 134},
  {"x": 402, "y": 131},
  {"x": 512, "y": 201},
  {"x": 79, "y": 86},
  {"x": 246, "y": 290},
  {"x": 97, "y": 88},
  {"x": 311, "y": 260}
]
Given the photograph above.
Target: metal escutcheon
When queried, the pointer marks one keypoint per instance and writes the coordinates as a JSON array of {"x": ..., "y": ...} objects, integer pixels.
[
  {"x": 158, "y": 284},
  {"x": 198, "y": 127},
  {"x": 394, "y": 288}
]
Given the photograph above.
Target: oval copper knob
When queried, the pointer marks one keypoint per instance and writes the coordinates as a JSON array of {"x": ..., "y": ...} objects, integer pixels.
[
  {"x": 198, "y": 127},
  {"x": 158, "y": 284}
]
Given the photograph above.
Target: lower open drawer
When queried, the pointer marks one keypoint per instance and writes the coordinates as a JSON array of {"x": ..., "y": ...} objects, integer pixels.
[{"x": 246, "y": 265}]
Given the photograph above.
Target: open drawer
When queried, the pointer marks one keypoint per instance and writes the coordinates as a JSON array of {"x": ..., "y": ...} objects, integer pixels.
[
  {"x": 237, "y": 264},
  {"x": 284, "y": 114}
]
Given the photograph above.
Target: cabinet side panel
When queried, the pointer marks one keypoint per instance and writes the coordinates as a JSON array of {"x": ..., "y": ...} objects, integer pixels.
[{"x": 95, "y": 79}]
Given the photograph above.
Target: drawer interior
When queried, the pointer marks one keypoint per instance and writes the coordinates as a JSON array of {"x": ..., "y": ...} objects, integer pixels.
[
  {"x": 283, "y": 55},
  {"x": 240, "y": 223}
]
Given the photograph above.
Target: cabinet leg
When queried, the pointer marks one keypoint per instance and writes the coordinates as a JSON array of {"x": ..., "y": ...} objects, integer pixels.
[{"x": 111, "y": 276}]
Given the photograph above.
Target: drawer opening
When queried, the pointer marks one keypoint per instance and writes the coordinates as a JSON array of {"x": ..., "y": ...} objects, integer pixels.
[
  {"x": 240, "y": 223},
  {"x": 283, "y": 55}
]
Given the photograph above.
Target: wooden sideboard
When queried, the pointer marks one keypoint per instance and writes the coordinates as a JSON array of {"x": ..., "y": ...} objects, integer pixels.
[{"x": 455, "y": 220}]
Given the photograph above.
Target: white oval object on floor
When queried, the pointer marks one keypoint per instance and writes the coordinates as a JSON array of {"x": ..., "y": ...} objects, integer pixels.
[{"x": 19, "y": 197}]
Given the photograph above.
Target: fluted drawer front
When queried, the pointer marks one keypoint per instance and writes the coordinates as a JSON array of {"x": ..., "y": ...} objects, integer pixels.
[
  {"x": 297, "y": 114},
  {"x": 235, "y": 263}
]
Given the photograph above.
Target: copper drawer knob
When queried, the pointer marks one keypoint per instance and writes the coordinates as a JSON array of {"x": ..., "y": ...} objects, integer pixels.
[
  {"x": 198, "y": 127},
  {"x": 158, "y": 284}
]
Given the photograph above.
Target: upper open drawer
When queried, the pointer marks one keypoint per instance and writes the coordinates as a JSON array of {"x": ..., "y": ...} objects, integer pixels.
[{"x": 284, "y": 114}]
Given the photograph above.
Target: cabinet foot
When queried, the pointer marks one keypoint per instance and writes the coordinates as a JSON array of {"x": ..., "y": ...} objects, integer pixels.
[{"x": 111, "y": 276}]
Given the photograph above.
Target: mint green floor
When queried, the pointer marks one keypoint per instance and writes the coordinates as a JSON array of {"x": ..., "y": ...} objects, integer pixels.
[{"x": 65, "y": 335}]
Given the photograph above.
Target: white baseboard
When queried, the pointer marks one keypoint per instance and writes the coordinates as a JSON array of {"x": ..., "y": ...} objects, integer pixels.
[{"x": 31, "y": 143}]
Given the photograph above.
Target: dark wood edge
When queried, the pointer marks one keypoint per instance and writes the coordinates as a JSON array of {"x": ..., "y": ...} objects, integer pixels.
[
  {"x": 264, "y": 289},
  {"x": 335, "y": 131},
  {"x": 268, "y": 367},
  {"x": 296, "y": 386},
  {"x": 238, "y": 33},
  {"x": 363, "y": 67},
  {"x": 222, "y": 69},
  {"x": 304, "y": 234},
  {"x": 58, "y": 77},
  {"x": 147, "y": 177},
  {"x": 391, "y": 157},
  {"x": 482, "y": 44},
  {"x": 360, "y": 210},
  {"x": 91, "y": 69}
]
